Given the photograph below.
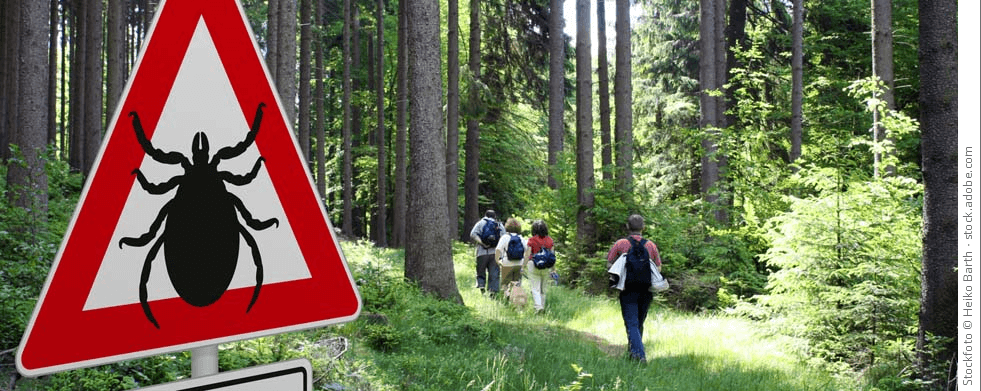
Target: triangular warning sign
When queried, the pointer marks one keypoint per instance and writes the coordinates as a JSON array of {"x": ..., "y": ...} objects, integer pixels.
[{"x": 199, "y": 223}]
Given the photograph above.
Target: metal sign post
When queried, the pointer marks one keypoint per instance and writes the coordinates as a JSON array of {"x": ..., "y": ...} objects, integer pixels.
[{"x": 204, "y": 361}]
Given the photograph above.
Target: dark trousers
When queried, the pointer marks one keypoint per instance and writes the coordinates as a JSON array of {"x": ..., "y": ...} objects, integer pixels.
[
  {"x": 633, "y": 306},
  {"x": 488, "y": 273}
]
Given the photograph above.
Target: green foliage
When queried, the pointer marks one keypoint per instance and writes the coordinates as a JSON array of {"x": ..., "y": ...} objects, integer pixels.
[
  {"x": 28, "y": 246},
  {"x": 512, "y": 160},
  {"x": 847, "y": 267}
]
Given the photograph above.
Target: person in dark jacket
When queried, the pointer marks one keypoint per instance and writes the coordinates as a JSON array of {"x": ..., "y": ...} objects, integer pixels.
[
  {"x": 488, "y": 272},
  {"x": 634, "y": 301}
]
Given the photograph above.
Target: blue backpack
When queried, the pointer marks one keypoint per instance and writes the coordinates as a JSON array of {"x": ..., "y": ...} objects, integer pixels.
[
  {"x": 516, "y": 249},
  {"x": 490, "y": 233},
  {"x": 638, "y": 266},
  {"x": 544, "y": 259}
]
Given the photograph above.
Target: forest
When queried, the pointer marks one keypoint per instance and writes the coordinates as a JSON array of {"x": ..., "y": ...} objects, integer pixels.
[{"x": 793, "y": 161}]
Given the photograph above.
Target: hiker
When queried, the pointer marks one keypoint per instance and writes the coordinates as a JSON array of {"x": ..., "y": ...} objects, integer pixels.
[
  {"x": 635, "y": 299},
  {"x": 511, "y": 252},
  {"x": 486, "y": 233},
  {"x": 537, "y": 277}
]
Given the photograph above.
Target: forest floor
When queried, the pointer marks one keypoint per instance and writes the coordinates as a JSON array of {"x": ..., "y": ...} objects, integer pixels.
[
  {"x": 407, "y": 340},
  {"x": 579, "y": 343}
]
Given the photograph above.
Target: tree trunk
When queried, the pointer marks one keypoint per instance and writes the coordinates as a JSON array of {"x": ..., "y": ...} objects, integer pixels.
[
  {"x": 272, "y": 38},
  {"x": 623, "y": 99},
  {"x": 115, "y": 56},
  {"x": 453, "y": 117},
  {"x": 28, "y": 182},
  {"x": 938, "y": 145},
  {"x": 9, "y": 45},
  {"x": 286, "y": 57},
  {"x": 603, "y": 76},
  {"x": 556, "y": 88},
  {"x": 735, "y": 38},
  {"x": 76, "y": 154},
  {"x": 320, "y": 128},
  {"x": 357, "y": 209},
  {"x": 382, "y": 196},
  {"x": 93, "y": 84},
  {"x": 303, "y": 115},
  {"x": 471, "y": 184},
  {"x": 797, "y": 83},
  {"x": 709, "y": 105},
  {"x": 882, "y": 68},
  {"x": 401, "y": 130},
  {"x": 586, "y": 232},
  {"x": 347, "y": 185},
  {"x": 52, "y": 68},
  {"x": 428, "y": 253}
]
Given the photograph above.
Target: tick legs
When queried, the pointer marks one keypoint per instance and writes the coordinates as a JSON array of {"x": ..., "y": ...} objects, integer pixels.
[
  {"x": 144, "y": 277},
  {"x": 257, "y": 258},
  {"x": 239, "y": 180},
  {"x": 147, "y": 237},
  {"x": 252, "y": 222},
  {"x": 238, "y": 149}
]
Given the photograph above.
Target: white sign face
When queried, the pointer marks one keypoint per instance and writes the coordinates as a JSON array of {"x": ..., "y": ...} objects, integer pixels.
[
  {"x": 294, "y": 375},
  {"x": 249, "y": 228},
  {"x": 201, "y": 82}
]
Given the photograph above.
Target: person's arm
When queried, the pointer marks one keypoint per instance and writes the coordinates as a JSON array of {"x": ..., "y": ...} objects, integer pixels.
[
  {"x": 475, "y": 232},
  {"x": 528, "y": 251},
  {"x": 615, "y": 252},
  {"x": 655, "y": 256},
  {"x": 501, "y": 248}
]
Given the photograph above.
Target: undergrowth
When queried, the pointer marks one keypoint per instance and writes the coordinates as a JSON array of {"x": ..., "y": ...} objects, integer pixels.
[{"x": 407, "y": 340}]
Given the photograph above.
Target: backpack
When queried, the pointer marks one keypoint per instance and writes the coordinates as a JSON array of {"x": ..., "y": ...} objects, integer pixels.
[
  {"x": 516, "y": 249},
  {"x": 637, "y": 266},
  {"x": 544, "y": 259},
  {"x": 490, "y": 233}
]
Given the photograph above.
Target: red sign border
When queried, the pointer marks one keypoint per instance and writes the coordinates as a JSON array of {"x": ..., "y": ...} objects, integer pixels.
[{"x": 83, "y": 338}]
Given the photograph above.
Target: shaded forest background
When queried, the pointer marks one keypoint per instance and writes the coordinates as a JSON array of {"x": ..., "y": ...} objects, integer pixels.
[{"x": 790, "y": 159}]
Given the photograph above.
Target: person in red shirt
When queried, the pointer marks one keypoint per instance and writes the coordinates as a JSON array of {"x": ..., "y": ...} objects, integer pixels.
[
  {"x": 634, "y": 301},
  {"x": 537, "y": 278}
]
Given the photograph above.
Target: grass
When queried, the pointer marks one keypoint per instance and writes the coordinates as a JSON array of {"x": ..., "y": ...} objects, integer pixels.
[
  {"x": 577, "y": 343},
  {"x": 405, "y": 340}
]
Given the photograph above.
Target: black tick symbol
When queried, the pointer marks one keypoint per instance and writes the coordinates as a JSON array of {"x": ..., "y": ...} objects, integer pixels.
[{"x": 200, "y": 240}]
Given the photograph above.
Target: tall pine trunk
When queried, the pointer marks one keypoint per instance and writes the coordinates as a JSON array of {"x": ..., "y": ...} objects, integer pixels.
[
  {"x": 882, "y": 68},
  {"x": 603, "y": 77},
  {"x": 586, "y": 232},
  {"x": 347, "y": 183},
  {"x": 797, "y": 82},
  {"x": 115, "y": 55},
  {"x": 319, "y": 97},
  {"x": 27, "y": 181},
  {"x": 303, "y": 115},
  {"x": 453, "y": 116},
  {"x": 428, "y": 252},
  {"x": 938, "y": 145},
  {"x": 381, "y": 222},
  {"x": 401, "y": 131},
  {"x": 556, "y": 88},
  {"x": 286, "y": 59},
  {"x": 710, "y": 38},
  {"x": 94, "y": 107},
  {"x": 623, "y": 100},
  {"x": 471, "y": 181}
]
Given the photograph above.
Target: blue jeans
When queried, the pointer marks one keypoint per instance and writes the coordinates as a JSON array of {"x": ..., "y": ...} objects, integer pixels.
[
  {"x": 633, "y": 306},
  {"x": 488, "y": 273}
]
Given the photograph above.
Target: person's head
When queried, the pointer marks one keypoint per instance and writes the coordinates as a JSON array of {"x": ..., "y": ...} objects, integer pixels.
[
  {"x": 490, "y": 214},
  {"x": 635, "y": 223},
  {"x": 539, "y": 228},
  {"x": 512, "y": 226}
]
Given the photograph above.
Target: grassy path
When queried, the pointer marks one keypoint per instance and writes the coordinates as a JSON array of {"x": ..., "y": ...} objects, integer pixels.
[{"x": 579, "y": 343}]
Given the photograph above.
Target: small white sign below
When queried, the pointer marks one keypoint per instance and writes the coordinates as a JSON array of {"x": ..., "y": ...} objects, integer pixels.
[{"x": 293, "y": 375}]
